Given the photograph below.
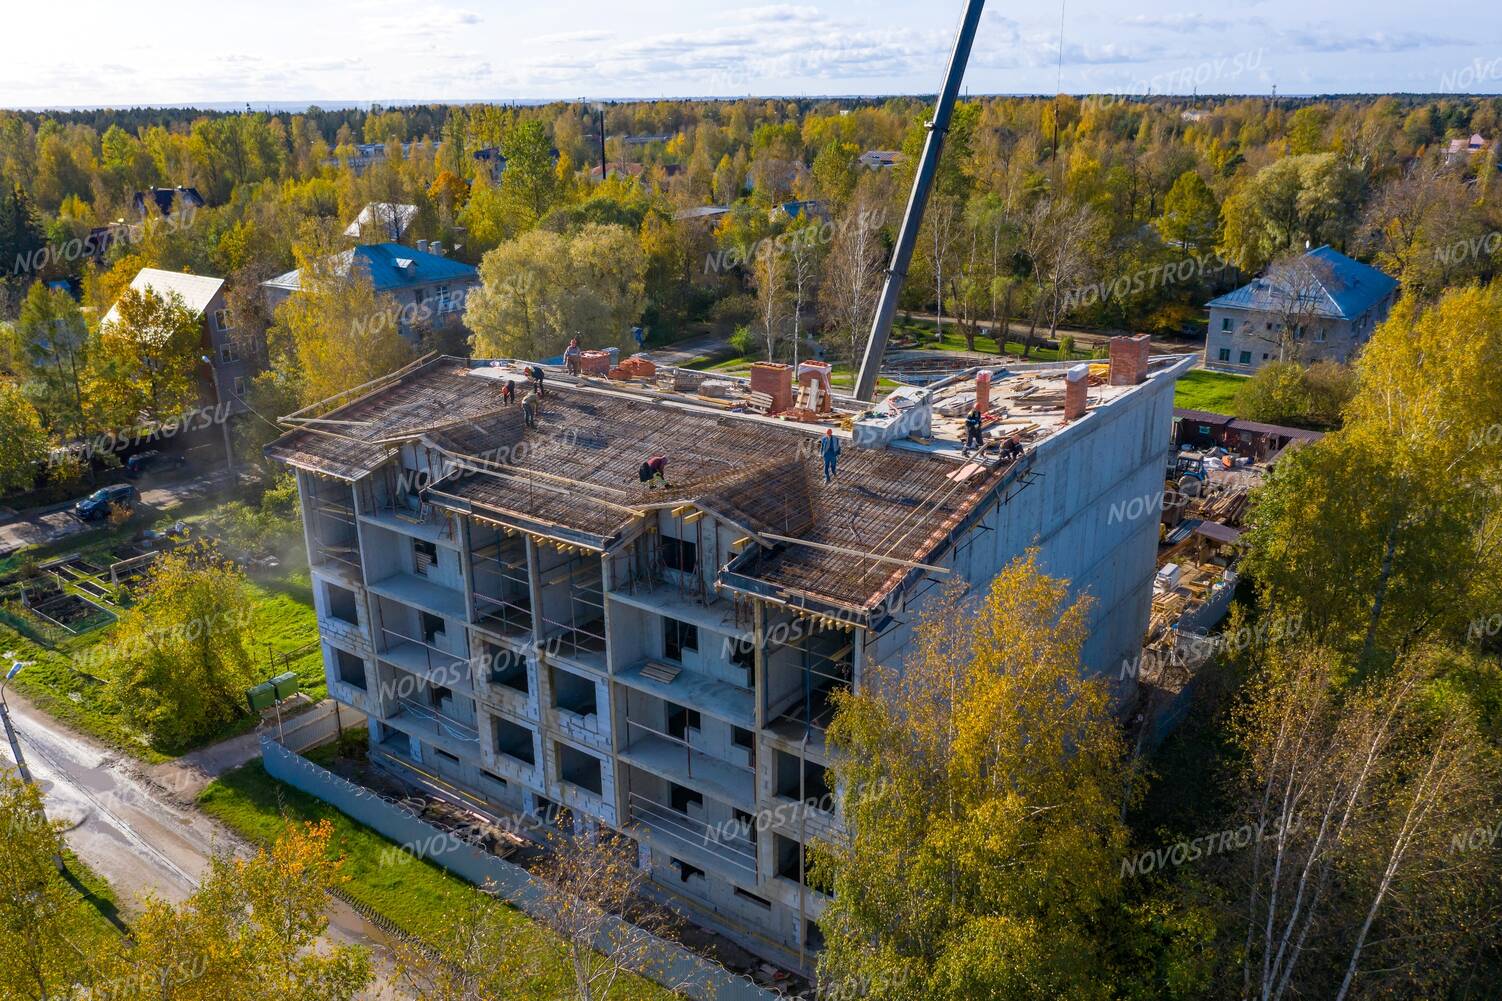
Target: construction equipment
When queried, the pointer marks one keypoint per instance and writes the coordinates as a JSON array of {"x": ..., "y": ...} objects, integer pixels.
[{"x": 907, "y": 236}]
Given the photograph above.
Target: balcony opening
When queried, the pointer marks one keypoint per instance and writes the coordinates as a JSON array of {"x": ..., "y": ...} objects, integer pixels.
[
  {"x": 452, "y": 759},
  {"x": 679, "y": 554},
  {"x": 573, "y": 693},
  {"x": 743, "y": 656},
  {"x": 746, "y": 823},
  {"x": 814, "y": 790},
  {"x": 351, "y": 669},
  {"x": 813, "y": 935},
  {"x": 682, "y": 798},
  {"x": 678, "y": 637},
  {"x": 507, "y": 668},
  {"x": 424, "y": 556},
  {"x": 789, "y": 856},
  {"x": 752, "y": 898},
  {"x": 578, "y": 768},
  {"x": 342, "y": 604},
  {"x": 502, "y": 586},
  {"x": 745, "y": 739},
  {"x": 513, "y": 741},
  {"x": 681, "y": 720},
  {"x": 490, "y": 776},
  {"x": 432, "y": 627},
  {"x": 687, "y": 872}
]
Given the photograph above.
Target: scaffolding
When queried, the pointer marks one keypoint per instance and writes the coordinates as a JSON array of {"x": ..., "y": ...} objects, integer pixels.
[
  {"x": 580, "y": 629},
  {"x": 333, "y": 523},
  {"x": 826, "y": 665},
  {"x": 502, "y": 584}
]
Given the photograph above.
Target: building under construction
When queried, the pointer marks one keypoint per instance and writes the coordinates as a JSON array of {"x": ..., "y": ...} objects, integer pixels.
[{"x": 530, "y": 626}]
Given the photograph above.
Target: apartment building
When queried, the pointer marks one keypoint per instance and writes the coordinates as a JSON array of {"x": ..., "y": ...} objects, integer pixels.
[
  {"x": 531, "y": 628},
  {"x": 1333, "y": 304}
]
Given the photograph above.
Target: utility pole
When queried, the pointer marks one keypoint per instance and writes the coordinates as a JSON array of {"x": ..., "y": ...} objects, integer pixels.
[
  {"x": 15, "y": 750},
  {"x": 229, "y": 452},
  {"x": 907, "y": 236}
]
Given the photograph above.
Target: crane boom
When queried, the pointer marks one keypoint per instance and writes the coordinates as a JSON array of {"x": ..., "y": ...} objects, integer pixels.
[{"x": 907, "y": 236}]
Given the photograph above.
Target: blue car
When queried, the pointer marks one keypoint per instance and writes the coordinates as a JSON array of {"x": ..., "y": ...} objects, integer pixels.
[{"x": 97, "y": 504}]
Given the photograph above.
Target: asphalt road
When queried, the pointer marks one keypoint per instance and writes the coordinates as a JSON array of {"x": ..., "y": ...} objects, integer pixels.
[
  {"x": 143, "y": 837},
  {"x": 41, "y": 526}
]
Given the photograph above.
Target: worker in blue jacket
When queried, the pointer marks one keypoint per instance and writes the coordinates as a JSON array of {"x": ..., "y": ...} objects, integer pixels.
[{"x": 831, "y": 449}]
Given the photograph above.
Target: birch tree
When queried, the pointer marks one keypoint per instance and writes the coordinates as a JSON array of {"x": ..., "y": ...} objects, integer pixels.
[
  {"x": 852, "y": 276},
  {"x": 1358, "y": 793},
  {"x": 982, "y": 789}
]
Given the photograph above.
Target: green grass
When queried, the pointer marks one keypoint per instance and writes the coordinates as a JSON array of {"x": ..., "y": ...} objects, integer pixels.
[
  {"x": 283, "y": 624},
  {"x": 923, "y": 331},
  {"x": 284, "y": 636},
  {"x": 1201, "y": 389},
  {"x": 411, "y": 893},
  {"x": 101, "y": 906}
]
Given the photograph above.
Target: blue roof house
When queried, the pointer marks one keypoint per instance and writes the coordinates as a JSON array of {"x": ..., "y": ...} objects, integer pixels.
[
  {"x": 428, "y": 288},
  {"x": 1323, "y": 307}
]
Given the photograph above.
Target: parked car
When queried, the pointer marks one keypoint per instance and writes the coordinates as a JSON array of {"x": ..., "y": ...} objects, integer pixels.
[
  {"x": 152, "y": 459},
  {"x": 97, "y": 504}
]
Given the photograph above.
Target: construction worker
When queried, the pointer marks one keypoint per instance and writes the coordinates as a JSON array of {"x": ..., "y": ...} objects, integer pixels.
[
  {"x": 654, "y": 472},
  {"x": 536, "y": 374},
  {"x": 1011, "y": 450},
  {"x": 973, "y": 437},
  {"x": 830, "y": 447},
  {"x": 571, "y": 357},
  {"x": 531, "y": 405},
  {"x": 508, "y": 393}
]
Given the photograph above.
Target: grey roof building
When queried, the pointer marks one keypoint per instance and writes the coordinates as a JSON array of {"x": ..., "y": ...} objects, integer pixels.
[{"x": 1337, "y": 303}]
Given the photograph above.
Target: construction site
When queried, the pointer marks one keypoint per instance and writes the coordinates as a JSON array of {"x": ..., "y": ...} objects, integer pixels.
[{"x": 534, "y": 626}]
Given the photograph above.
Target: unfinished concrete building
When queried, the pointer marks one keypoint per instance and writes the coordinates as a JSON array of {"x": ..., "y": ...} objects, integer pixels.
[{"x": 529, "y": 626}]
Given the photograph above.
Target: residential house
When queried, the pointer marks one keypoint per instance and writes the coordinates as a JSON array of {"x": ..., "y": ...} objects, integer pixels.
[
  {"x": 1338, "y": 304},
  {"x": 429, "y": 289},
  {"x": 382, "y": 222},
  {"x": 233, "y": 360},
  {"x": 878, "y": 159},
  {"x": 1461, "y": 150},
  {"x": 156, "y": 203}
]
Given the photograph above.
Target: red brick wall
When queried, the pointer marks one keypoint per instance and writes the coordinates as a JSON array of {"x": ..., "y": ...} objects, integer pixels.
[
  {"x": 776, "y": 381},
  {"x": 1076, "y": 392},
  {"x": 1129, "y": 360}
]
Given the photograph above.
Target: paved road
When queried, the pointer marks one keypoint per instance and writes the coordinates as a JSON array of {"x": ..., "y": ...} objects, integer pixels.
[
  {"x": 141, "y": 836},
  {"x": 40, "y": 526},
  {"x": 186, "y": 776}
]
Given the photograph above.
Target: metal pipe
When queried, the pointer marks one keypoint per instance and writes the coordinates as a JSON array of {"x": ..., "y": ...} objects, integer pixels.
[{"x": 907, "y": 236}]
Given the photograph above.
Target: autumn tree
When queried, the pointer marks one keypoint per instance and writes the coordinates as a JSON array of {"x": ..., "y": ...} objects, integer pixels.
[
  {"x": 529, "y": 183},
  {"x": 982, "y": 790},
  {"x": 1290, "y": 202},
  {"x": 1190, "y": 216},
  {"x": 1388, "y": 530},
  {"x": 1355, "y": 886},
  {"x": 336, "y": 331},
  {"x": 252, "y": 929},
  {"x": 181, "y": 655},
  {"x": 25, "y": 450},
  {"x": 543, "y": 288},
  {"x": 48, "y": 937},
  {"x": 145, "y": 361},
  {"x": 589, "y": 880},
  {"x": 54, "y": 350},
  {"x": 853, "y": 271}
]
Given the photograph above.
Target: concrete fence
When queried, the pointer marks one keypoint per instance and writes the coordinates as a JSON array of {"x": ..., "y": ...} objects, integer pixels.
[{"x": 711, "y": 982}]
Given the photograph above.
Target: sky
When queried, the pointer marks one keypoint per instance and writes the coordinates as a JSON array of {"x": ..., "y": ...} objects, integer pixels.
[{"x": 107, "y": 52}]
